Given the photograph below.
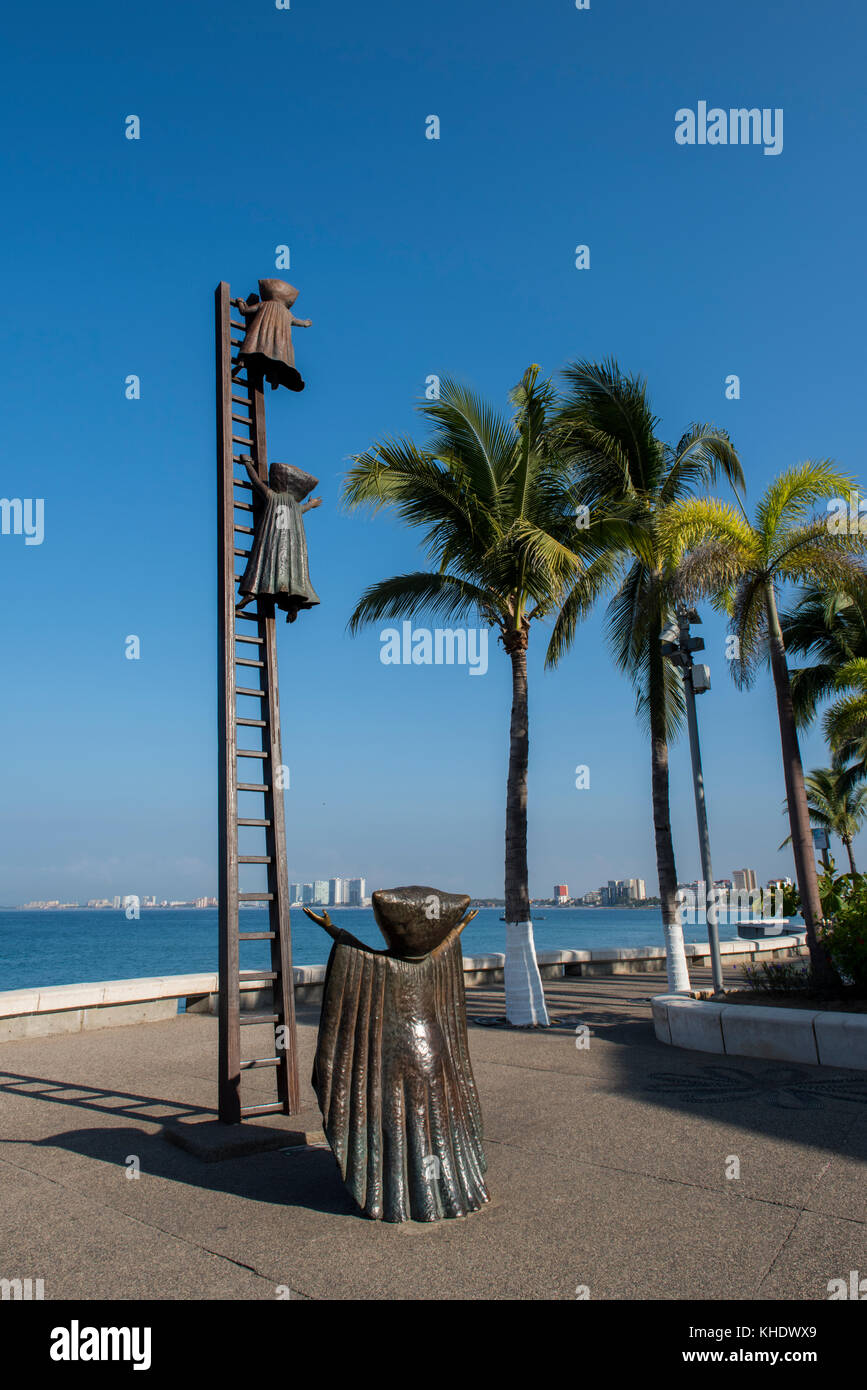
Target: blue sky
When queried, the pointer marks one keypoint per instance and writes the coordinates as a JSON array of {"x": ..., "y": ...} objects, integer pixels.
[{"x": 306, "y": 127}]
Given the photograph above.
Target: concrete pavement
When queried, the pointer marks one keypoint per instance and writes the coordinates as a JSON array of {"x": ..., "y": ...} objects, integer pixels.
[{"x": 607, "y": 1168}]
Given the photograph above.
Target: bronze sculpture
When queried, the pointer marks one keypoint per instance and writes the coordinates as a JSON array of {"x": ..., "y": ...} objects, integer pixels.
[
  {"x": 392, "y": 1071},
  {"x": 267, "y": 346},
  {"x": 277, "y": 567}
]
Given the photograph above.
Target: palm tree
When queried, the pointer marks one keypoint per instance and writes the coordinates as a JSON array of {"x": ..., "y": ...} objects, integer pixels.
[
  {"x": 845, "y": 721},
  {"x": 742, "y": 565},
  {"x": 837, "y": 803},
  {"x": 494, "y": 503},
  {"x": 829, "y": 626},
  {"x": 629, "y": 477}
]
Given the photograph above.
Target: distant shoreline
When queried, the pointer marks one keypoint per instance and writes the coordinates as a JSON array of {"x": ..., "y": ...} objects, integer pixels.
[{"x": 343, "y": 907}]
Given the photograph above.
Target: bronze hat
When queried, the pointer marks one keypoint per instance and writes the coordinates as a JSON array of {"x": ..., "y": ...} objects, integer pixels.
[
  {"x": 280, "y": 290},
  {"x": 285, "y": 477},
  {"x": 414, "y": 920}
]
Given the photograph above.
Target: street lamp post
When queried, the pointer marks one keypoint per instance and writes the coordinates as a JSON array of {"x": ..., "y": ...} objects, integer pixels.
[{"x": 678, "y": 646}]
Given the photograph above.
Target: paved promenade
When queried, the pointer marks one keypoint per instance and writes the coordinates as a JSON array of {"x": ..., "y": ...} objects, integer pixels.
[{"x": 607, "y": 1168}]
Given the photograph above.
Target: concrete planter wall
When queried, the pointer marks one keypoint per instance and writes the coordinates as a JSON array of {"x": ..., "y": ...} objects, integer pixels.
[
  {"x": 111, "y": 1003},
  {"x": 817, "y": 1037}
]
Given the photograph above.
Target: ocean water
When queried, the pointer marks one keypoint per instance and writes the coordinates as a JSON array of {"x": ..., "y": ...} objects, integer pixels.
[{"x": 77, "y": 945}]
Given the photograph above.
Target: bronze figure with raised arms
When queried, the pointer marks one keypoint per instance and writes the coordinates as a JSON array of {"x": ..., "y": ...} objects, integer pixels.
[{"x": 392, "y": 1070}]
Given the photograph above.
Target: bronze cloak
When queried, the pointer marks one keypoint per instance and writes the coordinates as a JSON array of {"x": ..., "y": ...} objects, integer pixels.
[
  {"x": 395, "y": 1085},
  {"x": 278, "y": 565},
  {"x": 267, "y": 345}
]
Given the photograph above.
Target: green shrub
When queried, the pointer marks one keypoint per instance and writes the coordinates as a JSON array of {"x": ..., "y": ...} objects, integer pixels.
[
  {"x": 846, "y": 935},
  {"x": 778, "y": 976},
  {"x": 844, "y": 904}
]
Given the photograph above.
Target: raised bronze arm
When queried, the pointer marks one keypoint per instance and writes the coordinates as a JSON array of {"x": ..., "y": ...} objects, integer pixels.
[
  {"x": 324, "y": 921},
  {"x": 253, "y": 475},
  {"x": 466, "y": 920},
  {"x": 247, "y": 306}
]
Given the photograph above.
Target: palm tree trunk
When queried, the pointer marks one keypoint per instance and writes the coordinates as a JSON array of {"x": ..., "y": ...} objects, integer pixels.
[
  {"x": 675, "y": 955},
  {"x": 848, "y": 843},
  {"x": 796, "y": 796},
  {"x": 525, "y": 1000}
]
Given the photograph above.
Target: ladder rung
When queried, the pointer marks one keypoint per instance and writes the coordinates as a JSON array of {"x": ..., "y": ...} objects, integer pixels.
[
  {"x": 241, "y": 419},
  {"x": 256, "y": 898},
  {"x": 233, "y": 324},
  {"x": 242, "y": 506},
  {"x": 254, "y": 787},
  {"x": 271, "y": 1109},
  {"x": 251, "y": 753},
  {"x": 244, "y": 530},
  {"x": 252, "y": 723},
  {"x": 245, "y": 553},
  {"x": 242, "y": 613},
  {"x": 257, "y": 935},
  {"x": 249, "y": 661},
  {"x": 239, "y": 482},
  {"x": 241, "y": 400},
  {"x": 241, "y": 637},
  {"x": 247, "y": 1017},
  {"x": 242, "y": 690},
  {"x": 236, "y": 439},
  {"x": 254, "y": 859},
  {"x": 248, "y": 820},
  {"x": 246, "y": 975},
  {"x": 261, "y": 1062}
]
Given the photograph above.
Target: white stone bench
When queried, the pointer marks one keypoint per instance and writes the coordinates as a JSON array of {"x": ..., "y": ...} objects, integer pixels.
[{"x": 815, "y": 1036}]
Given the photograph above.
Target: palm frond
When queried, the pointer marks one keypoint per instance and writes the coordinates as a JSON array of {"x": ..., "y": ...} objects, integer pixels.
[
  {"x": 792, "y": 496},
  {"x": 468, "y": 432},
  {"x": 687, "y": 523},
  {"x": 579, "y": 600},
  {"x": 406, "y": 595},
  {"x": 606, "y": 417},
  {"x": 749, "y": 621},
  {"x": 630, "y": 612},
  {"x": 701, "y": 455}
]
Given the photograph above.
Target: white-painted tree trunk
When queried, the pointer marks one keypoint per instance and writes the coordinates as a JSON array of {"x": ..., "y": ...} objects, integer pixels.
[
  {"x": 525, "y": 999},
  {"x": 675, "y": 960}
]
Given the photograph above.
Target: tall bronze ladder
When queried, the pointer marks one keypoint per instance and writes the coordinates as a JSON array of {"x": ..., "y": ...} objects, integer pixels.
[{"x": 247, "y": 679}]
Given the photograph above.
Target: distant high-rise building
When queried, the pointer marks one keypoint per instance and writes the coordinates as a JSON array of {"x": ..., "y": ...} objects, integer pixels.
[
  {"x": 744, "y": 879},
  {"x": 561, "y": 892},
  {"x": 636, "y": 890},
  {"x": 357, "y": 891},
  {"x": 320, "y": 892},
  {"x": 294, "y": 892},
  {"x": 117, "y": 901},
  {"x": 338, "y": 891},
  {"x": 307, "y": 893}
]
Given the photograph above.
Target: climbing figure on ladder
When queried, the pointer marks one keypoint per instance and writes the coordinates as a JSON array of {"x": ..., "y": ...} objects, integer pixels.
[
  {"x": 267, "y": 347},
  {"x": 277, "y": 567}
]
